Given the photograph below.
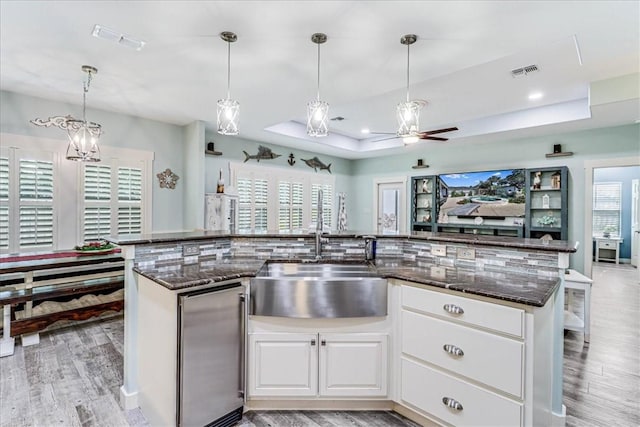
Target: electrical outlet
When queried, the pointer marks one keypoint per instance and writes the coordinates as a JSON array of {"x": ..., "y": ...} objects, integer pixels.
[
  {"x": 439, "y": 250},
  {"x": 190, "y": 250},
  {"x": 466, "y": 253}
]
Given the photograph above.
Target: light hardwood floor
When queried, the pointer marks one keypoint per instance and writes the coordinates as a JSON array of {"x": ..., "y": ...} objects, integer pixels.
[
  {"x": 72, "y": 377},
  {"x": 602, "y": 377}
]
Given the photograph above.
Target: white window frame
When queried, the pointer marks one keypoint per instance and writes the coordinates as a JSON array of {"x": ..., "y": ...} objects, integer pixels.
[
  {"x": 113, "y": 203},
  {"x": 15, "y": 154},
  {"x": 276, "y": 175},
  {"x": 618, "y": 184},
  {"x": 68, "y": 203}
]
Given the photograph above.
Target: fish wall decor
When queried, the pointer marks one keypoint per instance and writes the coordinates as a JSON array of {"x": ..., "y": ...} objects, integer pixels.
[
  {"x": 264, "y": 153},
  {"x": 316, "y": 164}
]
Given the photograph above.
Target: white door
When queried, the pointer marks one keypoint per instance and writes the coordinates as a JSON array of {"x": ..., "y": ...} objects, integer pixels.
[
  {"x": 283, "y": 364},
  {"x": 353, "y": 365},
  {"x": 390, "y": 207},
  {"x": 635, "y": 222}
]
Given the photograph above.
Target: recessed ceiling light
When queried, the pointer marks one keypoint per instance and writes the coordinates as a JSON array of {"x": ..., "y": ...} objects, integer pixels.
[
  {"x": 115, "y": 36},
  {"x": 535, "y": 95},
  {"x": 365, "y": 130}
]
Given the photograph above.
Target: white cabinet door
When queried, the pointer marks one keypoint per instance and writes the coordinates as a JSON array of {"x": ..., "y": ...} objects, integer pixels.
[
  {"x": 353, "y": 365},
  {"x": 284, "y": 364}
]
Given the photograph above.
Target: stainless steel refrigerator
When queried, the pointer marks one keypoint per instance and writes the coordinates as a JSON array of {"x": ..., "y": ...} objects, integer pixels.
[{"x": 211, "y": 357}]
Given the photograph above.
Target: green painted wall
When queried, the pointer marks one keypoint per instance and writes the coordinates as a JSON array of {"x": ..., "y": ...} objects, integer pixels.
[{"x": 614, "y": 142}]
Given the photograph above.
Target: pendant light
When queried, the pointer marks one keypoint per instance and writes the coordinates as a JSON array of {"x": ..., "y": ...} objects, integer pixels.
[
  {"x": 228, "y": 109},
  {"x": 408, "y": 112},
  {"x": 84, "y": 135},
  {"x": 318, "y": 111}
]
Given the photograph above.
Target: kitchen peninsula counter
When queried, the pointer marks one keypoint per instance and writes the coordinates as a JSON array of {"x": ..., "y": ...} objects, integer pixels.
[{"x": 519, "y": 288}]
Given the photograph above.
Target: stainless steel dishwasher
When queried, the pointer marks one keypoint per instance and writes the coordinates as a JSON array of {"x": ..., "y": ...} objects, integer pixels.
[{"x": 211, "y": 356}]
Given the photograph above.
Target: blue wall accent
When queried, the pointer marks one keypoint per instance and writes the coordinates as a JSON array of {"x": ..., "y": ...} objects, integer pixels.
[{"x": 624, "y": 175}]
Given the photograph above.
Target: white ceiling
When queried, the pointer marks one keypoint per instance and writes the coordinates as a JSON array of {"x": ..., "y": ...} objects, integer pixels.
[{"x": 460, "y": 64}]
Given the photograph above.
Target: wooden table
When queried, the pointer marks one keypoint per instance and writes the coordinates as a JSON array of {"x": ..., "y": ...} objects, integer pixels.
[{"x": 608, "y": 245}]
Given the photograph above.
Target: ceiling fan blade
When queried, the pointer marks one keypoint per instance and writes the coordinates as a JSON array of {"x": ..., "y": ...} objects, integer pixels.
[
  {"x": 433, "y": 138},
  {"x": 433, "y": 132}
]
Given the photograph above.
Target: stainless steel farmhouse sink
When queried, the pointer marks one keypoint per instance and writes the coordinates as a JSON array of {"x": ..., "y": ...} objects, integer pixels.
[{"x": 316, "y": 290}]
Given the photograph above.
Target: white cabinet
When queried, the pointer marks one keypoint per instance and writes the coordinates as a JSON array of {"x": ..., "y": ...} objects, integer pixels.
[
  {"x": 353, "y": 365},
  {"x": 220, "y": 212},
  {"x": 283, "y": 364},
  {"x": 466, "y": 361},
  {"x": 303, "y": 364}
]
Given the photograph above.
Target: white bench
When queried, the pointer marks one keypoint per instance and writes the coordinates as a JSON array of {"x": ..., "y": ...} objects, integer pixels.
[{"x": 573, "y": 282}]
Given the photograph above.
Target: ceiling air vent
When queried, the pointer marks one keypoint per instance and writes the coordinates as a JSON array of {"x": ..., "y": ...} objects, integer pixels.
[
  {"x": 523, "y": 71},
  {"x": 337, "y": 119}
]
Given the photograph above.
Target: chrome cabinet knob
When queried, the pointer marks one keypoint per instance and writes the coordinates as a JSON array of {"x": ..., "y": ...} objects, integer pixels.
[
  {"x": 453, "y": 309},
  {"x": 452, "y": 403},
  {"x": 453, "y": 350}
]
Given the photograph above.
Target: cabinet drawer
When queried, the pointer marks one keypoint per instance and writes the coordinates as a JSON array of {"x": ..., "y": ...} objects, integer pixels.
[
  {"x": 490, "y": 359},
  {"x": 425, "y": 388},
  {"x": 607, "y": 245},
  {"x": 499, "y": 318}
]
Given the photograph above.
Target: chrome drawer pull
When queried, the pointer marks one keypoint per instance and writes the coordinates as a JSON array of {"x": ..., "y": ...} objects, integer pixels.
[
  {"x": 452, "y": 403},
  {"x": 313, "y": 342},
  {"x": 453, "y": 350},
  {"x": 453, "y": 309}
]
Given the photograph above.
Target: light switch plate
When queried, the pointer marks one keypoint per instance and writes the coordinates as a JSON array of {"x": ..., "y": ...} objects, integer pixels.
[
  {"x": 466, "y": 253},
  {"x": 439, "y": 250},
  {"x": 190, "y": 250}
]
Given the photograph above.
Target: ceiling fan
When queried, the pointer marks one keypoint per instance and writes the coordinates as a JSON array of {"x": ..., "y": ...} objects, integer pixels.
[
  {"x": 427, "y": 134},
  {"x": 408, "y": 112}
]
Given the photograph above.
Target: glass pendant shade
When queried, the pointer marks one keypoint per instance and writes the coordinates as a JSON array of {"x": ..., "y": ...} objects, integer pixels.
[
  {"x": 83, "y": 141},
  {"x": 84, "y": 135},
  {"x": 228, "y": 109},
  {"x": 408, "y": 116},
  {"x": 318, "y": 111},
  {"x": 317, "y": 118},
  {"x": 228, "y": 115}
]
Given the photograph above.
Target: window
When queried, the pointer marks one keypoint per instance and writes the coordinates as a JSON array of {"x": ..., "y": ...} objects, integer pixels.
[
  {"x": 277, "y": 199},
  {"x": 49, "y": 203},
  {"x": 112, "y": 200},
  {"x": 290, "y": 199},
  {"x": 607, "y": 198},
  {"x": 26, "y": 201}
]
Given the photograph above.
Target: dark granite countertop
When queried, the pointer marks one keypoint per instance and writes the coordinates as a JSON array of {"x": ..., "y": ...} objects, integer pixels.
[
  {"x": 519, "y": 288},
  {"x": 57, "y": 262},
  {"x": 469, "y": 239}
]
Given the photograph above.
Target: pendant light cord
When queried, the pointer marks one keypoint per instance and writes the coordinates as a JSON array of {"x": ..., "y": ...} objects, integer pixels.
[
  {"x": 408, "y": 46},
  {"x": 85, "y": 87},
  {"x": 228, "y": 70},
  {"x": 318, "y": 96}
]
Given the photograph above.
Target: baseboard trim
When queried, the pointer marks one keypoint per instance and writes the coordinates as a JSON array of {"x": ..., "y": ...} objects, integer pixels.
[
  {"x": 128, "y": 400},
  {"x": 314, "y": 403},
  {"x": 559, "y": 420},
  {"x": 414, "y": 416}
]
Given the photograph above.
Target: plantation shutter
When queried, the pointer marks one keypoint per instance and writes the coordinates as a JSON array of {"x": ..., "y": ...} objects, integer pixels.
[
  {"x": 97, "y": 198},
  {"x": 244, "y": 186},
  {"x": 290, "y": 199},
  {"x": 260, "y": 199},
  {"x": 35, "y": 184},
  {"x": 129, "y": 220},
  {"x": 607, "y": 205},
  {"x": 4, "y": 202}
]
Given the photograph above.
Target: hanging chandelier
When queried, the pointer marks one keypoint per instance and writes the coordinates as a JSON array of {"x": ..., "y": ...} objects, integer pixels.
[
  {"x": 84, "y": 135},
  {"x": 228, "y": 109},
  {"x": 408, "y": 112},
  {"x": 318, "y": 111}
]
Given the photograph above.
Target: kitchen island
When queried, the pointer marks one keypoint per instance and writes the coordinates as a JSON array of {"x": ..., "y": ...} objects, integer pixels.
[{"x": 509, "y": 290}]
